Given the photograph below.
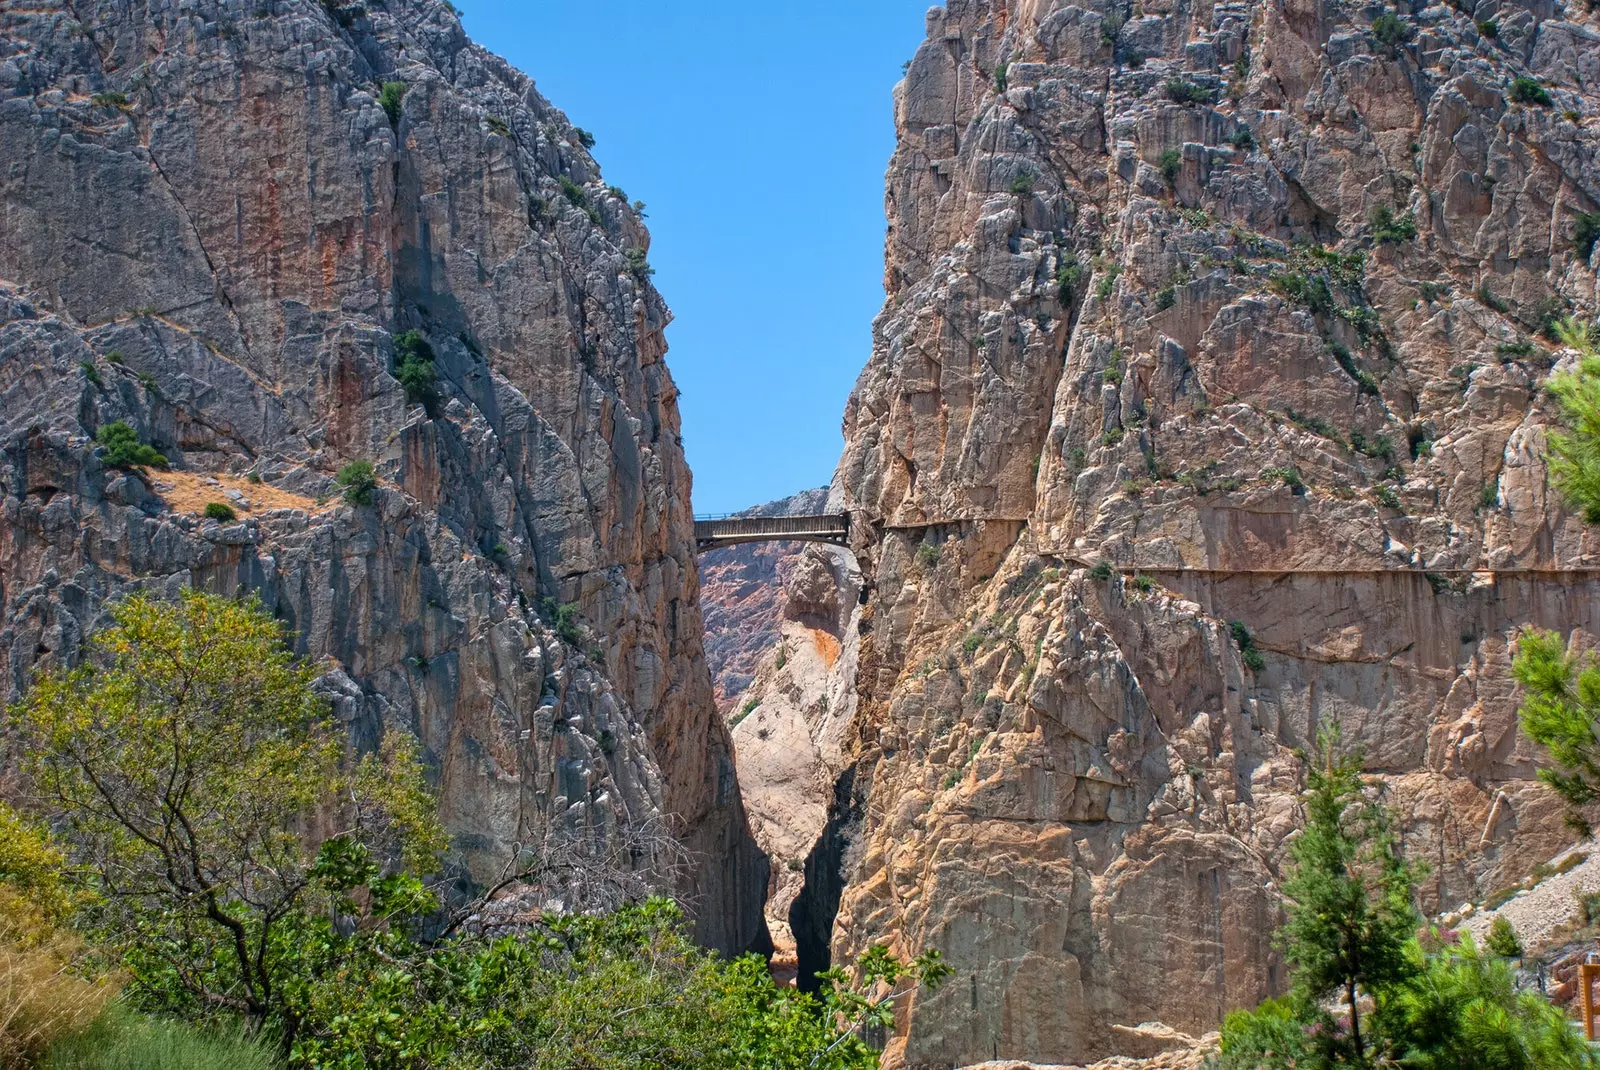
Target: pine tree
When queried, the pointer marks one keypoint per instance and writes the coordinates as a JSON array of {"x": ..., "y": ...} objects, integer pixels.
[
  {"x": 1560, "y": 708},
  {"x": 1350, "y": 895},
  {"x": 1575, "y": 454}
]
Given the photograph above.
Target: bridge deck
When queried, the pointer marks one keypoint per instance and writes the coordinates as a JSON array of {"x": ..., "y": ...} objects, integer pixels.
[{"x": 725, "y": 531}]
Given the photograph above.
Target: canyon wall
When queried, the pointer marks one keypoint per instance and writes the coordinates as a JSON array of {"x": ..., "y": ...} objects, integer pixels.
[
  {"x": 1206, "y": 409},
  {"x": 216, "y": 219}
]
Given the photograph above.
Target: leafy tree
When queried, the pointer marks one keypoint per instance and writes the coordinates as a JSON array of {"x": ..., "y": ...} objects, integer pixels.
[
  {"x": 1560, "y": 707},
  {"x": 124, "y": 450},
  {"x": 414, "y": 368},
  {"x": 1575, "y": 454},
  {"x": 1391, "y": 30},
  {"x": 1528, "y": 91},
  {"x": 1349, "y": 895},
  {"x": 1503, "y": 939},
  {"x": 359, "y": 479},
  {"x": 200, "y": 778}
]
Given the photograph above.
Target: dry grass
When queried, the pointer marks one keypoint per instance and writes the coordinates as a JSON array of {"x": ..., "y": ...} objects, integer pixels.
[
  {"x": 42, "y": 1001},
  {"x": 191, "y": 492}
]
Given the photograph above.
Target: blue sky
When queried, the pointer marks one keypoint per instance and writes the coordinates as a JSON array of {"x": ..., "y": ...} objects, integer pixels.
[{"x": 757, "y": 133}]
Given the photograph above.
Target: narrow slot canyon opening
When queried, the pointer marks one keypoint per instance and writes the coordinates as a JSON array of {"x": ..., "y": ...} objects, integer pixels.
[{"x": 812, "y": 913}]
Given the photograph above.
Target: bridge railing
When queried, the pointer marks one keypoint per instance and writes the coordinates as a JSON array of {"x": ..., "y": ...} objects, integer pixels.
[{"x": 823, "y": 524}]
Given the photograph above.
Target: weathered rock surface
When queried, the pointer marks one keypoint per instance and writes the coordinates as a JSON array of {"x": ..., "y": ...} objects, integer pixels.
[
  {"x": 741, "y": 598},
  {"x": 1139, "y": 313},
  {"x": 211, "y": 229}
]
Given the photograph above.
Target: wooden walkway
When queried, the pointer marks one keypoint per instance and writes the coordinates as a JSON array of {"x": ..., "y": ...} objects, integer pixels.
[{"x": 711, "y": 532}]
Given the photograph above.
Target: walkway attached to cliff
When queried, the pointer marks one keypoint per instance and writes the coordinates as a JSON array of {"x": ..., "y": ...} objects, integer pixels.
[{"x": 711, "y": 532}]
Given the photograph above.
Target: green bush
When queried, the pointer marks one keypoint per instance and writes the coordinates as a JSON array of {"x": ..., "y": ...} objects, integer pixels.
[
  {"x": 1021, "y": 185},
  {"x": 928, "y": 554},
  {"x": 1489, "y": 28},
  {"x": 573, "y": 192},
  {"x": 1391, "y": 30},
  {"x": 1502, "y": 939},
  {"x": 1000, "y": 77},
  {"x": 1243, "y": 139},
  {"x": 1386, "y": 496},
  {"x": 585, "y": 138},
  {"x": 111, "y": 98},
  {"x": 1585, "y": 233},
  {"x": 1183, "y": 91},
  {"x": 91, "y": 373},
  {"x": 414, "y": 368},
  {"x": 1489, "y": 496},
  {"x": 1166, "y": 297},
  {"x": 1390, "y": 229},
  {"x": 1170, "y": 162},
  {"x": 1069, "y": 276},
  {"x": 638, "y": 264},
  {"x": 124, "y": 450},
  {"x": 389, "y": 97},
  {"x": 220, "y": 511},
  {"x": 359, "y": 479},
  {"x": 1102, "y": 571},
  {"x": 1526, "y": 90}
]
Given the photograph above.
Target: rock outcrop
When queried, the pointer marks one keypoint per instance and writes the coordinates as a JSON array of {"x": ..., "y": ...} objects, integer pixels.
[
  {"x": 1206, "y": 409},
  {"x": 216, "y": 220}
]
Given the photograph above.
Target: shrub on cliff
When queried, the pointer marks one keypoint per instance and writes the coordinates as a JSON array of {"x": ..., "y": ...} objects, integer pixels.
[
  {"x": 359, "y": 479},
  {"x": 124, "y": 450},
  {"x": 1575, "y": 452},
  {"x": 390, "y": 94},
  {"x": 1529, "y": 91},
  {"x": 414, "y": 368}
]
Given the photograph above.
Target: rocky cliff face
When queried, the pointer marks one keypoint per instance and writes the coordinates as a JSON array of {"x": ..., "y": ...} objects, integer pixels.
[
  {"x": 215, "y": 220},
  {"x": 1243, "y": 300}
]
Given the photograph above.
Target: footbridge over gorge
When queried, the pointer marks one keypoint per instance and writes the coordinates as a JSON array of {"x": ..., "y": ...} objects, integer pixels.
[{"x": 711, "y": 532}]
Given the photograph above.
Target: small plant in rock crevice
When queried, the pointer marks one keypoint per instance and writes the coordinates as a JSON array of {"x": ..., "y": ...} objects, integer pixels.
[
  {"x": 359, "y": 479},
  {"x": 1528, "y": 91},
  {"x": 390, "y": 94},
  {"x": 124, "y": 450}
]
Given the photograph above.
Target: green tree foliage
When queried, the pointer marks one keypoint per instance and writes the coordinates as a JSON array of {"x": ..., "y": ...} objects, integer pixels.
[
  {"x": 389, "y": 97},
  {"x": 1585, "y": 232},
  {"x": 1170, "y": 162},
  {"x": 1391, "y": 30},
  {"x": 1529, "y": 91},
  {"x": 182, "y": 758},
  {"x": 1503, "y": 940},
  {"x": 1349, "y": 894},
  {"x": 359, "y": 479},
  {"x": 1560, "y": 706},
  {"x": 1391, "y": 229},
  {"x": 124, "y": 450},
  {"x": 1575, "y": 453},
  {"x": 1350, "y": 934},
  {"x": 220, "y": 511},
  {"x": 414, "y": 368}
]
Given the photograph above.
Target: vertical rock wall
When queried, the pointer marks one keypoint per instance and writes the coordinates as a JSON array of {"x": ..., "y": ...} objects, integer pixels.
[
  {"x": 1251, "y": 305},
  {"x": 211, "y": 229}
]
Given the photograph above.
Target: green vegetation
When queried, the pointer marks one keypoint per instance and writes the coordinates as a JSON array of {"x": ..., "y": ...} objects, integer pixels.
[
  {"x": 1390, "y": 229},
  {"x": 389, "y": 97},
  {"x": 1108, "y": 281},
  {"x": 1022, "y": 184},
  {"x": 1526, "y": 90},
  {"x": 1114, "y": 368},
  {"x": 1378, "y": 446},
  {"x": 1102, "y": 571},
  {"x": 1166, "y": 297},
  {"x": 111, "y": 98},
  {"x": 1391, "y": 30},
  {"x": 1000, "y": 77},
  {"x": 414, "y": 368},
  {"x": 1243, "y": 139},
  {"x": 1247, "y": 646},
  {"x": 1489, "y": 28},
  {"x": 359, "y": 479},
  {"x": 1502, "y": 940},
  {"x": 498, "y": 125},
  {"x": 1183, "y": 91},
  {"x": 573, "y": 192},
  {"x": 928, "y": 554},
  {"x": 1560, "y": 708},
  {"x": 1489, "y": 496},
  {"x": 124, "y": 450},
  {"x": 1290, "y": 476},
  {"x": 585, "y": 138},
  {"x": 1585, "y": 233},
  {"x": 1170, "y": 162},
  {"x": 1069, "y": 276},
  {"x": 220, "y": 511},
  {"x": 1142, "y": 584},
  {"x": 91, "y": 373},
  {"x": 1350, "y": 942},
  {"x": 1386, "y": 496},
  {"x": 638, "y": 263},
  {"x": 563, "y": 617},
  {"x": 248, "y": 877},
  {"x": 1575, "y": 452}
]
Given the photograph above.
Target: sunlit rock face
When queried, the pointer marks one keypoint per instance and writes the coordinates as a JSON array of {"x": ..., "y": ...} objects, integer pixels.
[
  {"x": 1145, "y": 308},
  {"x": 211, "y": 229}
]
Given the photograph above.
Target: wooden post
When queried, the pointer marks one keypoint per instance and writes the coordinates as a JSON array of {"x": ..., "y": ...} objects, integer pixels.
[{"x": 1586, "y": 976}]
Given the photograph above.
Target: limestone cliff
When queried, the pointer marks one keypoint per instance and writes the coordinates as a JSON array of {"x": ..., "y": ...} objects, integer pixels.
[
  {"x": 1244, "y": 300},
  {"x": 216, "y": 218}
]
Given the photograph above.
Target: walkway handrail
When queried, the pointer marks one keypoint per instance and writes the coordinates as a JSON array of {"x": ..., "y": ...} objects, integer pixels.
[{"x": 820, "y": 527}]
